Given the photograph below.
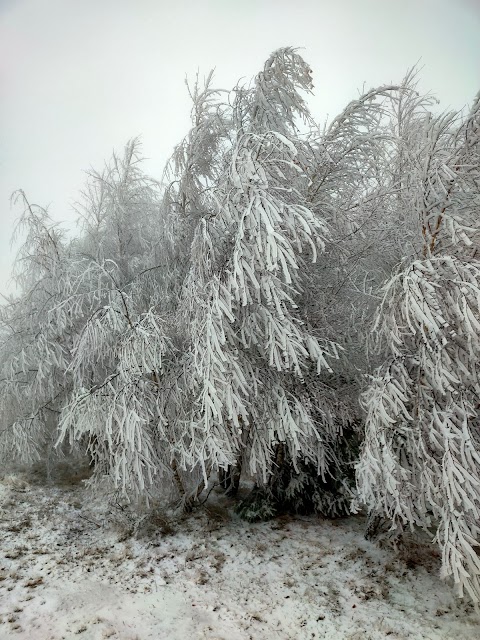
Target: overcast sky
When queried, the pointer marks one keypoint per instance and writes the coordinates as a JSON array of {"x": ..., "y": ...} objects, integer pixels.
[{"x": 78, "y": 78}]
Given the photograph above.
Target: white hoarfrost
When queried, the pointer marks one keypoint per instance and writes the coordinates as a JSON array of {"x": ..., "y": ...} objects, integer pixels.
[
  {"x": 420, "y": 463},
  {"x": 221, "y": 320}
]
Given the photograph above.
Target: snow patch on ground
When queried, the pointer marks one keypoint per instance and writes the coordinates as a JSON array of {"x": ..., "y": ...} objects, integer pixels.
[{"x": 69, "y": 570}]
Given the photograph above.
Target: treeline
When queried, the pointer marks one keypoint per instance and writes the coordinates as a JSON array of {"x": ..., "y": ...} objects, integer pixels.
[{"x": 296, "y": 302}]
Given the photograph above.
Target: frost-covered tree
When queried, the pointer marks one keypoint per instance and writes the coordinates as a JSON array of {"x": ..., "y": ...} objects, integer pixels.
[
  {"x": 420, "y": 463},
  {"x": 354, "y": 185},
  {"x": 123, "y": 296},
  {"x": 34, "y": 350},
  {"x": 255, "y": 365}
]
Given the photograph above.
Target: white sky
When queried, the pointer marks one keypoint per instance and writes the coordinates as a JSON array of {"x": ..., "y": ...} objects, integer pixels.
[{"x": 79, "y": 78}]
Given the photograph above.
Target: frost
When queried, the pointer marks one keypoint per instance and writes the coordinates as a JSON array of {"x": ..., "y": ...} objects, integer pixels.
[{"x": 230, "y": 317}]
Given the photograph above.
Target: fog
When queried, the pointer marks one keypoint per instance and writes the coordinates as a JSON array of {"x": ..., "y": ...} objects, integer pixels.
[{"x": 79, "y": 79}]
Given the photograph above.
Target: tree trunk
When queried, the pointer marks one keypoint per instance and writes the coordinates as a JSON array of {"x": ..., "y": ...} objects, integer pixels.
[{"x": 229, "y": 479}]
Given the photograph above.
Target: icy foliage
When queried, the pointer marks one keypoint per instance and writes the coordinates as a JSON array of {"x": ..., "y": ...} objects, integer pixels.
[
  {"x": 255, "y": 365},
  {"x": 33, "y": 353},
  {"x": 222, "y": 320},
  {"x": 123, "y": 342},
  {"x": 420, "y": 463}
]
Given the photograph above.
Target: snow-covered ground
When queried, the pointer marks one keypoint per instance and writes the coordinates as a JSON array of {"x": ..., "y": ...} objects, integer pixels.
[{"x": 70, "y": 569}]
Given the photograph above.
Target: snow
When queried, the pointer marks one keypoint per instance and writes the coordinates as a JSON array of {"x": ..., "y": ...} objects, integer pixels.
[{"x": 72, "y": 567}]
